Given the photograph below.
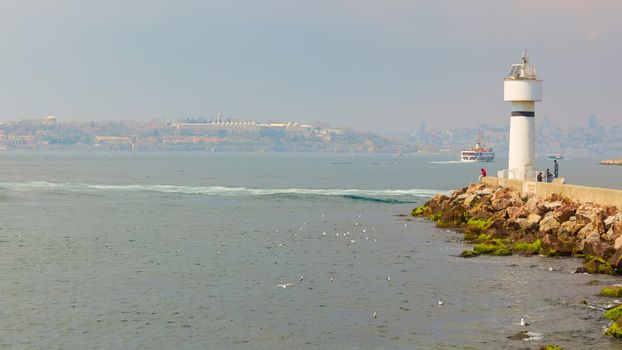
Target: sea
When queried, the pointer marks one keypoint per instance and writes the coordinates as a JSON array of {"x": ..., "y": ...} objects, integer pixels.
[{"x": 192, "y": 250}]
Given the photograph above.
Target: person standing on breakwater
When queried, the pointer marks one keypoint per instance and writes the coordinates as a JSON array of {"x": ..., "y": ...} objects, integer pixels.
[
  {"x": 549, "y": 176},
  {"x": 539, "y": 177},
  {"x": 556, "y": 168},
  {"x": 483, "y": 173}
]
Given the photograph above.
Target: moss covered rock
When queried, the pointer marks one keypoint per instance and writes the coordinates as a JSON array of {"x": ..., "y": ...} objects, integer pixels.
[
  {"x": 420, "y": 211},
  {"x": 615, "y": 330},
  {"x": 551, "y": 347},
  {"x": 614, "y": 313},
  {"x": 594, "y": 264},
  {"x": 528, "y": 248},
  {"x": 611, "y": 291},
  {"x": 469, "y": 254}
]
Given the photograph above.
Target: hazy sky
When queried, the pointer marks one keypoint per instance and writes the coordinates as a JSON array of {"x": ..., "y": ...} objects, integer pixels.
[{"x": 370, "y": 64}]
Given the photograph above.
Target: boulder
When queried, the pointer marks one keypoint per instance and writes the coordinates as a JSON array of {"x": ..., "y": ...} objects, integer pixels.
[
  {"x": 549, "y": 224},
  {"x": 592, "y": 228},
  {"x": 614, "y": 232},
  {"x": 556, "y": 245},
  {"x": 570, "y": 229},
  {"x": 500, "y": 204},
  {"x": 610, "y": 220},
  {"x": 591, "y": 237},
  {"x": 524, "y": 225},
  {"x": 501, "y": 192},
  {"x": 534, "y": 218},
  {"x": 545, "y": 207},
  {"x": 589, "y": 212},
  {"x": 565, "y": 212},
  {"x": 616, "y": 260},
  {"x": 484, "y": 192},
  {"x": 468, "y": 200},
  {"x": 452, "y": 216},
  {"x": 517, "y": 212},
  {"x": 436, "y": 201},
  {"x": 599, "y": 248}
]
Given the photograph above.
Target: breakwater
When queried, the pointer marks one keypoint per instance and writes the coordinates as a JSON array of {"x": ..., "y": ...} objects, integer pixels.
[
  {"x": 509, "y": 220},
  {"x": 503, "y": 221}
]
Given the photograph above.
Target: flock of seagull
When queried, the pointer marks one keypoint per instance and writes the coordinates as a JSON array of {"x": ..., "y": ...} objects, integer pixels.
[{"x": 374, "y": 315}]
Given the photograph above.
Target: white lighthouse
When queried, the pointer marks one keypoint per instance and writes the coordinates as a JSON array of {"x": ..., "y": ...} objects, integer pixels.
[{"x": 523, "y": 89}]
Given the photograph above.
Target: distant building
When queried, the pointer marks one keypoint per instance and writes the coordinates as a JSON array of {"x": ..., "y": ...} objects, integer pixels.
[
  {"x": 592, "y": 122},
  {"x": 49, "y": 120}
]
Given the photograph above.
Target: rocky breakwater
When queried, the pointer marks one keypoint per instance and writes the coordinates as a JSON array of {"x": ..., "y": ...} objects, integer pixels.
[{"x": 499, "y": 221}]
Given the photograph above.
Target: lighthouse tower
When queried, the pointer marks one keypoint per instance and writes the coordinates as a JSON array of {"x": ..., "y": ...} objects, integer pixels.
[{"x": 523, "y": 89}]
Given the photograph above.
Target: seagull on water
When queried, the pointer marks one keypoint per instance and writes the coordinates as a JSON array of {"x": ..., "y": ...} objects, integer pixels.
[
  {"x": 374, "y": 315},
  {"x": 284, "y": 285},
  {"x": 301, "y": 278},
  {"x": 440, "y": 302},
  {"x": 389, "y": 278},
  {"x": 332, "y": 280}
]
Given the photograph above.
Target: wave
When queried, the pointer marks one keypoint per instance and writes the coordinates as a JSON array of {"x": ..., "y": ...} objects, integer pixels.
[{"x": 353, "y": 194}]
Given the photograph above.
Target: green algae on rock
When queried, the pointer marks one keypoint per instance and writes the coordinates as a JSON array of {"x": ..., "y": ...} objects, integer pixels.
[
  {"x": 594, "y": 264},
  {"x": 611, "y": 291},
  {"x": 469, "y": 254},
  {"x": 614, "y": 313},
  {"x": 528, "y": 248},
  {"x": 615, "y": 330},
  {"x": 551, "y": 347},
  {"x": 552, "y": 226}
]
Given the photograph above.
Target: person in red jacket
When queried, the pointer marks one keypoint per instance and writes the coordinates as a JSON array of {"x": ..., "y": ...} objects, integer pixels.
[{"x": 483, "y": 173}]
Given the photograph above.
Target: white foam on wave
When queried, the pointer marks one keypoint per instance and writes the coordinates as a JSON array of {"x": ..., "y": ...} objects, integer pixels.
[{"x": 211, "y": 190}]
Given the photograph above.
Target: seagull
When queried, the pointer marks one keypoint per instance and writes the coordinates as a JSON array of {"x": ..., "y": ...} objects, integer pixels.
[
  {"x": 352, "y": 241},
  {"x": 440, "y": 302},
  {"x": 374, "y": 315},
  {"x": 222, "y": 244},
  {"x": 178, "y": 251},
  {"x": 550, "y": 269},
  {"x": 285, "y": 285},
  {"x": 405, "y": 225},
  {"x": 364, "y": 230},
  {"x": 523, "y": 323},
  {"x": 277, "y": 230},
  {"x": 301, "y": 277},
  {"x": 279, "y": 245},
  {"x": 389, "y": 278},
  {"x": 331, "y": 280},
  {"x": 218, "y": 252},
  {"x": 323, "y": 233}
]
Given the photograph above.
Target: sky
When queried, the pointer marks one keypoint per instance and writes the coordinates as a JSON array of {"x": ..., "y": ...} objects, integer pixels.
[{"x": 372, "y": 65}]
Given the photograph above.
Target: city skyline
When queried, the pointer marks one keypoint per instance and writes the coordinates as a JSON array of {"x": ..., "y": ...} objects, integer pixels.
[{"x": 382, "y": 66}]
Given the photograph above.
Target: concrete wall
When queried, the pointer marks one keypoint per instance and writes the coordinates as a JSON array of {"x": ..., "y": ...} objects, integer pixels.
[{"x": 596, "y": 195}]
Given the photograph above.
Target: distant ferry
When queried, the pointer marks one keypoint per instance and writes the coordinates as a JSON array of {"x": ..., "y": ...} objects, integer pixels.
[
  {"x": 556, "y": 156},
  {"x": 479, "y": 153}
]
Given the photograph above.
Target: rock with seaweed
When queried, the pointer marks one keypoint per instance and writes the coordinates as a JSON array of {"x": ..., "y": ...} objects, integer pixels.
[{"x": 500, "y": 221}]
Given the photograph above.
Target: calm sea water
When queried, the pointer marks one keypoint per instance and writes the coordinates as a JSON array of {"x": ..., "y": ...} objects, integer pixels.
[{"x": 186, "y": 250}]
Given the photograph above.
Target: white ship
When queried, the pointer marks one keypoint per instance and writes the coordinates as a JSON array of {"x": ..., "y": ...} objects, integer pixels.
[{"x": 479, "y": 153}]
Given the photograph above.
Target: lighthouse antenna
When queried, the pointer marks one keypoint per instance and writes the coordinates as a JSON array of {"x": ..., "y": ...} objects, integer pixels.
[{"x": 525, "y": 58}]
